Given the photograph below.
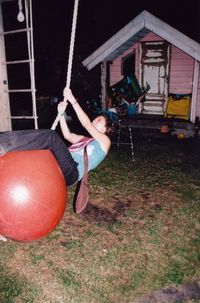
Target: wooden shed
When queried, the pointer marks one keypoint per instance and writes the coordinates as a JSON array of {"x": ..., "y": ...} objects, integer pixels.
[{"x": 159, "y": 55}]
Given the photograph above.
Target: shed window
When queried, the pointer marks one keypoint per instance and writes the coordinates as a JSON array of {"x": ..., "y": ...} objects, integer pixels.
[{"x": 128, "y": 65}]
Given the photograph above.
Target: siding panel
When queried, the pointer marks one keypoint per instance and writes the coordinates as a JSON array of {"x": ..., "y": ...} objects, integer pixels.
[{"x": 181, "y": 72}]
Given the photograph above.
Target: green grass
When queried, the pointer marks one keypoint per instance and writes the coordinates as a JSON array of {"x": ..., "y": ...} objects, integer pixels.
[
  {"x": 12, "y": 287},
  {"x": 140, "y": 233}
]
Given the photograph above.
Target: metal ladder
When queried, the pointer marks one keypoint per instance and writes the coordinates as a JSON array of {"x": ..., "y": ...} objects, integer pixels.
[{"x": 28, "y": 29}]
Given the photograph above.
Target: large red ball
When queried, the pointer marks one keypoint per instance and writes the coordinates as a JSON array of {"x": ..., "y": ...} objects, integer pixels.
[{"x": 33, "y": 194}]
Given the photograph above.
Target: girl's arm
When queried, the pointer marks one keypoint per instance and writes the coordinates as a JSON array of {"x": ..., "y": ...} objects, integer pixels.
[
  {"x": 71, "y": 137},
  {"x": 103, "y": 140}
]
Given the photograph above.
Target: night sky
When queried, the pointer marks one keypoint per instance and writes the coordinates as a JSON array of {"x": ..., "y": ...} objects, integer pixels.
[{"x": 97, "y": 22}]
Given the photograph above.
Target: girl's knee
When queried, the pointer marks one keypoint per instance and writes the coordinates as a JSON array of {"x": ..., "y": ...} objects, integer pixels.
[
  {"x": 50, "y": 133},
  {"x": 54, "y": 136}
]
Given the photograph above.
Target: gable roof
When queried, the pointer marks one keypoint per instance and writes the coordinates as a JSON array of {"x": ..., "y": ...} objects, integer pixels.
[{"x": 136, "y": 30}]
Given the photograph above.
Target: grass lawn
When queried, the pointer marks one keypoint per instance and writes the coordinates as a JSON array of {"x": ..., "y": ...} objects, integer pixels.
[{"x": 139, "y": 233}]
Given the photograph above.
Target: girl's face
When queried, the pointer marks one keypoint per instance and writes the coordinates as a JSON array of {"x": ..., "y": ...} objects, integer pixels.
[{"x": 100, "y": 124}]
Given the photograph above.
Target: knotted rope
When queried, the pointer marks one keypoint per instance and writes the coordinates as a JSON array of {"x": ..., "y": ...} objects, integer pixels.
[{"x": 70, "y": 59}]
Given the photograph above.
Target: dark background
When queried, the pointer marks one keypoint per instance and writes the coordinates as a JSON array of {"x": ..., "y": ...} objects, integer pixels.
[{"x": 97, "y": 21}]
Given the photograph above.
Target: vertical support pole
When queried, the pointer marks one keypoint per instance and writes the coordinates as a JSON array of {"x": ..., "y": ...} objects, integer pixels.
[
  {"x": 194, "y": 91},
  {"x": 5, "y": 122},
  {"x": 103, "y": 85},
  {"x": 29, "y": 19}
]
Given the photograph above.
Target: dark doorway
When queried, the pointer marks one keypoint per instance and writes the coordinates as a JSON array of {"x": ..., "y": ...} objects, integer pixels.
[{"x": 128, "y": 64}]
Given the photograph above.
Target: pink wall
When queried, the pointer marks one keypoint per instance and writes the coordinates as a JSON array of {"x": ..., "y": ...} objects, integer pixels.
[
  {"x": 181, "y": 67},
  {"x": 180, "y": 74},
  {"x": 115, "y": 67}
]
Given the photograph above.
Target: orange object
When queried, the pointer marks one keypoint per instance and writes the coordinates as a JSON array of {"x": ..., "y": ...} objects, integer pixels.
[
  {"x": 164, "y": 129},
  {"x": 33, "y": 194},
  {"x": 181, "y": 136}
]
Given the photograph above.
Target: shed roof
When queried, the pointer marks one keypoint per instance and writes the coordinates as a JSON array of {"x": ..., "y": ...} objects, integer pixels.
[{"x": 136, "y": 29}]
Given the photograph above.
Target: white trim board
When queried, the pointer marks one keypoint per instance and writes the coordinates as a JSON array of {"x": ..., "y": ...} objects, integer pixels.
[{"x": 133, "y": 32}]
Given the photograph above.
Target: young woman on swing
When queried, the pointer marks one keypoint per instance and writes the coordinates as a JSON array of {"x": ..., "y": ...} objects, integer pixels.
[{"x": 71, "y": 160}]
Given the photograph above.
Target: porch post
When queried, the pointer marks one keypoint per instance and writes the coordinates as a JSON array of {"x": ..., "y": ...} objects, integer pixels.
[
  {"x": 194, "y": 91},
  {"x": 104, "y": 85}
]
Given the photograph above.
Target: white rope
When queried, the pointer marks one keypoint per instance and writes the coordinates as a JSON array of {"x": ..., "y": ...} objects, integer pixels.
[
  {"x": 29, "y": 24},
  {"x": 71, "y": 51}
]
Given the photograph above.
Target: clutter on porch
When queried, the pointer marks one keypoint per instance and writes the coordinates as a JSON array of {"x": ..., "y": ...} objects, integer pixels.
[{"x": 126, "y": 95}]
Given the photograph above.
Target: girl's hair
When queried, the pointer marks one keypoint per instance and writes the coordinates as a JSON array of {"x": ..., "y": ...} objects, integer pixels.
[{"x": 110, "y": 125}]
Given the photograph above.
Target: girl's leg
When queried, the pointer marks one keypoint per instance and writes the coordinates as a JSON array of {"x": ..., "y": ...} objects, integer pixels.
[{"x": 42, "y": 139}]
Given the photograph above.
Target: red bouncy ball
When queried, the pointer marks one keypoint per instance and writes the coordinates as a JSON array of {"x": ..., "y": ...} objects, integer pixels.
[{"x": 33, "y": 194}]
